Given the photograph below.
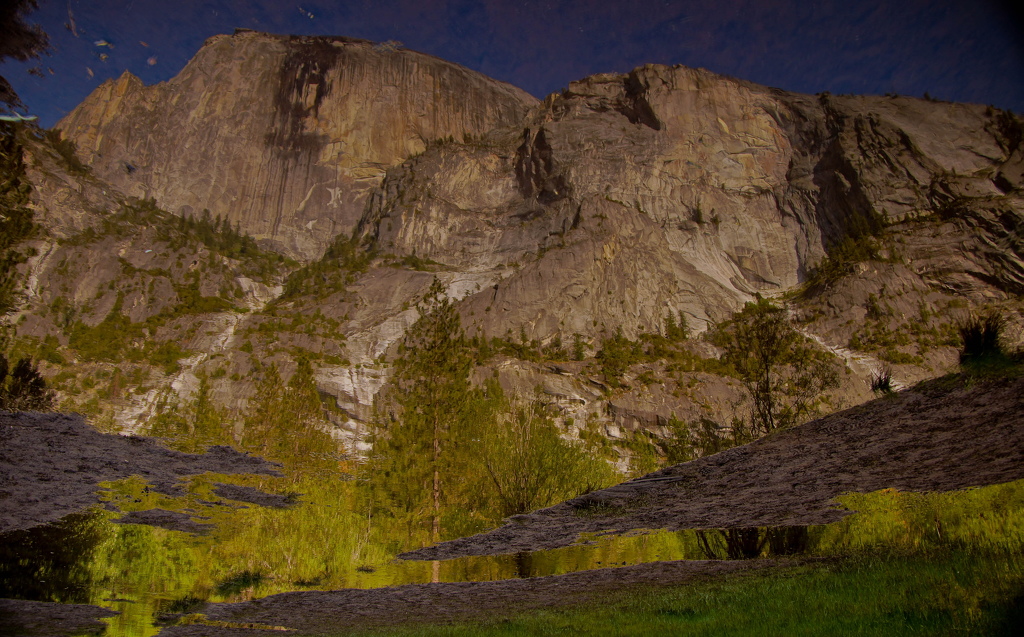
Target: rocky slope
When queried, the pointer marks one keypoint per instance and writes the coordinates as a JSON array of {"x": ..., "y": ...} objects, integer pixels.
[{"x": 624, "y": 200}]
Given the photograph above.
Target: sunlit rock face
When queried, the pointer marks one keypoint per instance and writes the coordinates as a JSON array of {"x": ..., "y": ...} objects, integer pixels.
[
  {"x": 282, "y": 136},
  {"x": 670, "y": 189},
  {"x": 611, "y": 205}
]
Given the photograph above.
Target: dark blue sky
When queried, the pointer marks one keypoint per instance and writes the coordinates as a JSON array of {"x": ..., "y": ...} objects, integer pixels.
[{"x": 960, "y": 50}]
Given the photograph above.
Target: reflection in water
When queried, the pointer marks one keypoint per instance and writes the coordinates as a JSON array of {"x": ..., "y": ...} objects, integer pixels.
[
  {"x": 326, "y": 542},
  {"x": 750, "y": 542},
  {"x": 50, "y": 563}
]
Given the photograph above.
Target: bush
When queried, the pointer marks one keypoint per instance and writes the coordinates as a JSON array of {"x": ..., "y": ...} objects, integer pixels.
[
  {"x": 67, "y": 151},
  {"x": 23, "y": 389},
  {"x": 785, "y": 375},
  {"x": 981, "y": 339}
]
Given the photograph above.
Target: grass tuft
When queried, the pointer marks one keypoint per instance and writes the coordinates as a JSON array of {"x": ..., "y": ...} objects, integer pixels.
[
  {"x": 881, "y": 381},
  {"x": 238, "y": 582},
  {"x": 981, "y": 336}
]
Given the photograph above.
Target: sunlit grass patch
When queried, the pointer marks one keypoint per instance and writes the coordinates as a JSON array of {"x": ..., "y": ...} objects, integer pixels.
[
  {"x": 860, "y": 596},
  {"x": 903, "y": 564},
  {"x": 973, "y": 520}
]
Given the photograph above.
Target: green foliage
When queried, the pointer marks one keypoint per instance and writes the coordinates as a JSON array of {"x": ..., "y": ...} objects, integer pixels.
[
  {"x": 981, "y": 339},
  {"x": 617, "y": 354},
  {"x": 194, "y": 426},
  {"x": 523, "y": 349},
  {"x": 530, "y": 464},
  {"x": 690, "y": 441},
  {"x": 890, "y": 339},
  {"x": 841, "y": 260},
  {"x": 676, "y": 330},
  {"x": 15, "y": 216},
  {"x": 191, "y": 300},
  {"x": 644, "y": 451},
  {"x": 881, "y": 381},
  {"x": 111, "y": 340},
  {"x": 238, "y": 582},
  {"x": 780, "y": 369},
  {"x": 456, "y": 458},
  {"x": 108, "y": 340},
  {"x": 904, "y": 564},
  {"x": 185, "y": 234},
  {"x": 47, "y": 349},
  {"x": 984, "y": 352},
  {"x": 166, "y": 355},
  {"x": 919, "y": 595},
  {"x": 412, "y": 456},
  {"x": 578, "y": 351},
  {"x": 216, "y": 234},
  {"x": 22, "y": 388},
  {"x": 413, "y": 262},
  {"x": 344, "y": 260},
  {"x": 287, "y": 423},
  {"x": 59, "y": 551}
]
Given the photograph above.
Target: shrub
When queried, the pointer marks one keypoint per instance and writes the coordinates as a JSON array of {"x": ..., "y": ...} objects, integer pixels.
[
  {"x": 981, "y": 339},
  {"x": 67, "y": 151},
  {"x": 784, "y": 374},
  {"x": 22, "y": 388}
]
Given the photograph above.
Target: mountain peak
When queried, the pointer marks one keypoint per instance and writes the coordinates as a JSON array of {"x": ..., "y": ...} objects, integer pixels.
[{"x": 283, "y": 136}]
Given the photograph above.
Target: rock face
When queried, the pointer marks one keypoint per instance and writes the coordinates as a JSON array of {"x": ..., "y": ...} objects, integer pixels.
[
  {"x": 666, "y": 190},
  {"x": 621, "y": 201},
  {"x": 282, "y": 136}
]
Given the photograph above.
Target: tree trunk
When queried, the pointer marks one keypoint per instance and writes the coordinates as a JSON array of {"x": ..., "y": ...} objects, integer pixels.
[{"x": 435, "y": 527}]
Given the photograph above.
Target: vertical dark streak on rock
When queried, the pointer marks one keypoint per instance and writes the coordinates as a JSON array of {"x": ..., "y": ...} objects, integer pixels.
[
  {"x": 308, "y": 62},
  {"x": 536, "y": 170}
]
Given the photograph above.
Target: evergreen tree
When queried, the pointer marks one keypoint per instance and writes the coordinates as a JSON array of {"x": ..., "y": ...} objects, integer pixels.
[
  {"x": 194, "y": 426},
  {"x": 416, "y": 452},
  {"x": 285, "y": 423}
]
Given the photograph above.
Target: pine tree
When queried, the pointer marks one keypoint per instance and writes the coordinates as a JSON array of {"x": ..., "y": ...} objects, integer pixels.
[
  {"x": 415, "y": 453},
  {"x": 285, "y": 423},
  {"x": 194, "y": 426}
]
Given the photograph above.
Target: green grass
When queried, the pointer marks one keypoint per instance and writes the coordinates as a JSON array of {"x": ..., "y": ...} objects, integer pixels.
[
  {"x": 959, "y": 594},
  {"x": 904, "y": 564}
]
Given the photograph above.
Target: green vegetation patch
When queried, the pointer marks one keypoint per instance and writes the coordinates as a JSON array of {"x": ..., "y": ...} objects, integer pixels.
[
  {"x": 16, "y": 223},
  {"x": 904, "y": 564},
  {"x": 345, "y": 259},
  {"x": 864, "y": 596},
  {"x": 185, "y": 233}
]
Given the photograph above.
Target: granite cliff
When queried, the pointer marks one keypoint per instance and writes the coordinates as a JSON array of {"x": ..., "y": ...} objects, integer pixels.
[
  {"x": 363, "y": 172},
  {"x": 674, "y": 189},
  {"x": 282, "y": 136}
]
